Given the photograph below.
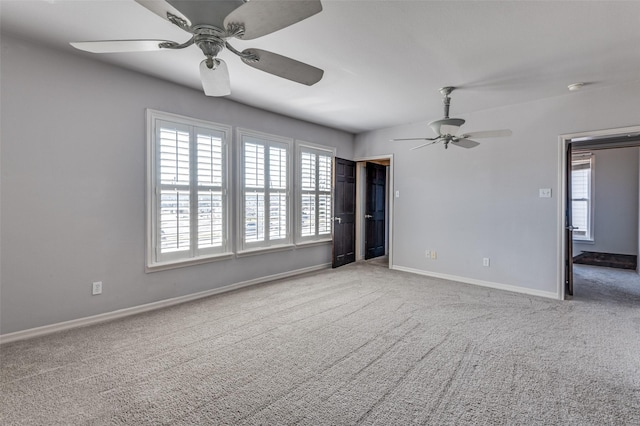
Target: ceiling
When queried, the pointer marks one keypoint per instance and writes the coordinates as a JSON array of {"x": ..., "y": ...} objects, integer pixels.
[{"x": 384, "y": 61}]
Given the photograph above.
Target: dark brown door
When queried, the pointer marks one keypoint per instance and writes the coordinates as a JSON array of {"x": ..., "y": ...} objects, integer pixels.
[
  {"x": 568, "y": 281},
  {"x": 376, "y": 189},
  {"x": 344, "y": 212}
]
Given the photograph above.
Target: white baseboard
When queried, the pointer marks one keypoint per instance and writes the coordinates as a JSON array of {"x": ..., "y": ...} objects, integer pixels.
[
  {"x": 120, "y": 313},
  {"x": 498, "y": 286}
]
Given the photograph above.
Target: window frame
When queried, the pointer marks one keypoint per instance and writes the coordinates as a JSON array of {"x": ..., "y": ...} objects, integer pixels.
[
  {"x": 256, "y": 247},
  {"x": 194, "y": 255},
  {"x": 317, "y": 149},
  {"x": 582, "y": 157}
]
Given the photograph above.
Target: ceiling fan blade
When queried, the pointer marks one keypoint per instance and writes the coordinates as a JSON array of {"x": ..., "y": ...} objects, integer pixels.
[
  {"x": 215, "y": 82},
  {"x": 465, "y": 143},
  {"x": 283, "y": 67},
  {"x": 425, "y": 144},
  {"x": 118, "y": 46},
  {"x": 414, "y": 139},
  {"x": 262, "y": 17},
  {"x": 487, "y": 134},
  {"x": 161, "y": 8}
]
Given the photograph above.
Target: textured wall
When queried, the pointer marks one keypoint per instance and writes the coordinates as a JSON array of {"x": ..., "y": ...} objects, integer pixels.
[
  {"x": 468, "y": 204},
  {"x": 73, "y": 187}
]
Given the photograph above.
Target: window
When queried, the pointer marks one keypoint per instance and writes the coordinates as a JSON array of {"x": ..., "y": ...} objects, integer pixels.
[
  {"x": 582, "y": 195},
  {"x": 187, "y": 201},
  {"x": 314, "y": 192},
  {"x": 264, "y": 176}
]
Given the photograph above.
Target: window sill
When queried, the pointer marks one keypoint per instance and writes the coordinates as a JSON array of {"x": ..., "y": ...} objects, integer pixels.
[
  {"x": 312, "y": 243},
  {"x": 174, "y": 264},
  {"x": 263, "y": 250}
]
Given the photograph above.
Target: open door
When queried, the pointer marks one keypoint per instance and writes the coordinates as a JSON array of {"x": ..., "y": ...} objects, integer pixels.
[
  {"x": 375, "y": 210},
  {"x": 568, "y": 281},
  {"x": 344, "y": 212}
]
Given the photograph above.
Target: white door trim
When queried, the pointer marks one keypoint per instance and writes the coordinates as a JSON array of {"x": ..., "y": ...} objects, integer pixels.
[
  {"x": 564, "y": 140},
  {"x": 360, "y": 199}
]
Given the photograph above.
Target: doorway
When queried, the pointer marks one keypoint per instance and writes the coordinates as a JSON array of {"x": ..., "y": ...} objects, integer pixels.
[
  {"x": 374, "y": 210},
  {"x": 594, "y": 142}
]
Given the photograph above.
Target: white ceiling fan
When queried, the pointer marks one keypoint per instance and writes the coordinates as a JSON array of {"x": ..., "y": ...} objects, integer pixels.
[
  {"x": 447, "y": 129},
  {"x": 211, "y": 23}
]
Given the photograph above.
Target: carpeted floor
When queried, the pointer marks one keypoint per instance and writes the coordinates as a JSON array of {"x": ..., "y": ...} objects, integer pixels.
[
  {"x": 357, "y": 345},
  {"x": 379, "y": 261}
]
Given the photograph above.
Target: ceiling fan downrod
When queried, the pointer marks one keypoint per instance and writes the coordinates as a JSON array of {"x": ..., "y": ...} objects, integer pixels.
[{"x": 446, "y": 91}]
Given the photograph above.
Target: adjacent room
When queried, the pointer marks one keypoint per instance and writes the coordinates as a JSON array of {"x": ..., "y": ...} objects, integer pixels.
[{"x": 319, "y": 212}]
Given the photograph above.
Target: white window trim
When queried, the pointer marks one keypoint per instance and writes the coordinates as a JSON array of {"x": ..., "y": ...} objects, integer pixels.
[
  {"x": 246, "y": 249},
  {"x": 331, "y": 151},
  {"x": 224, "y": 252},
  {"x": 590, "y": 238}
]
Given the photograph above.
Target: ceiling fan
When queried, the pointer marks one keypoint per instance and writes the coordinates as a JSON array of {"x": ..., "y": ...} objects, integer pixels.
[
  {"x": 211, "y": 23},
  {"x": 447, "y": 129}
]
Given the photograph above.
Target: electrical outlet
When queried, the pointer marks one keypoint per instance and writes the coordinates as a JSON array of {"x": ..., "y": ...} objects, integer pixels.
[
  {"x": 96, "y": 288},
  {"x": 434, "y": 255},
  {"x": 544, "y": 193},
  {"x": 427, "y": 254},
  {"x": 485, "y": 261}
]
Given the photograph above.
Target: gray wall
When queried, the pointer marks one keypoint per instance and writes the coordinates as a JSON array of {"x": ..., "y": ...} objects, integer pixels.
[
  {"x": 483, "y": 202},
  {"x": 73, "y": 187},
  {"x": 615, "y": 228}
]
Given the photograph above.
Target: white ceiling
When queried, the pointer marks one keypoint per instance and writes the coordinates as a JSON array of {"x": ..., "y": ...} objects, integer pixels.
[{"x": 384, "y": 61}]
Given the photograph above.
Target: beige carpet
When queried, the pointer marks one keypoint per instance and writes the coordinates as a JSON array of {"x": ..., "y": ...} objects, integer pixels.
[
  {"x": 379, "y": 261},
  {"x": 357, "y": 345}
]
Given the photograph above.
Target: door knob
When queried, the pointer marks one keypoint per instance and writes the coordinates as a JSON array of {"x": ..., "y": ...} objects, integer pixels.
[
  {"x": 572, "y": 228},
  {"x": 368, "y": 216},
  {"x": 337, "y": 219}
]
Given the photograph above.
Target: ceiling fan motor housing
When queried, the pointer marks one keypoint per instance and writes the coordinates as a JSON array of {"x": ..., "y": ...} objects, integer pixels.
[{"x": 209, "y": 39}]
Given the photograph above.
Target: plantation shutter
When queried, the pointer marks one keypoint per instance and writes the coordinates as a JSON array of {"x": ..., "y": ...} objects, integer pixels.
[
  {"x": 174, "y": 177},
  {"x": 266, "y": 191},
  {"x": 210, "y": 181},
  {"x": 315, "y": 192},
  {"x": 187, "y": 190}
]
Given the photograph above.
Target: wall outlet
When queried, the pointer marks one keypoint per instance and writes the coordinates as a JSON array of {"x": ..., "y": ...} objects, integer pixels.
[
  {"x": 544, "y": 193},
  {"x": 485, "y": 261},
  {"x": 96, "y": 288},
  {"x": 427, "y": 254},
  {"x": 434, "y": 255}
]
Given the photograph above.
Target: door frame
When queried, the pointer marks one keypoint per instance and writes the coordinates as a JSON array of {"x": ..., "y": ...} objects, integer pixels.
[
  {"x": 360, "y": 203},
  {"x": 564, "y": 141}
]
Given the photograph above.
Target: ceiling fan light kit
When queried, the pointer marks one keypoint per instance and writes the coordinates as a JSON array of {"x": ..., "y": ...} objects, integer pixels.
[
  {"x": 448, "y": 128},
  {"x": 215, "y": 78},
  {"x": 243, "y": 20}
]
